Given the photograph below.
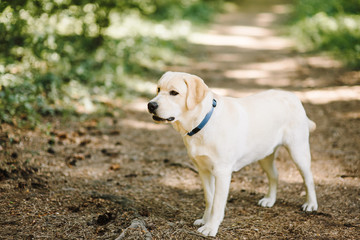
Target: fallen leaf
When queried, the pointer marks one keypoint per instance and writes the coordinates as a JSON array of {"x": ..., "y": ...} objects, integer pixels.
[
  {"x": 115, "y": 167},
  {"x": 78, "y": 156},
  {"x": 85, "y": 142}
]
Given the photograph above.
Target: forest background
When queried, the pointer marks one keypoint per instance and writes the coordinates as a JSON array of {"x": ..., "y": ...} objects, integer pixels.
[{"x": 72, "y": 57}]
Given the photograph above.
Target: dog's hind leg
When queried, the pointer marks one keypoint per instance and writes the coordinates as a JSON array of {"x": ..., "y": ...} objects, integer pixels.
[
  {"x": 268, "y": 165},
  {"x": 300, "y": 153}
]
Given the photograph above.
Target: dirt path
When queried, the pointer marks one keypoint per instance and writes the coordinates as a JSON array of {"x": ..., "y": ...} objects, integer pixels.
[{"x": 91, "y": 179}]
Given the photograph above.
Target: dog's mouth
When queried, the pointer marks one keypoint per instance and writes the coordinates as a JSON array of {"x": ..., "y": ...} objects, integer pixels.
[{"x": 159, "y": 119}]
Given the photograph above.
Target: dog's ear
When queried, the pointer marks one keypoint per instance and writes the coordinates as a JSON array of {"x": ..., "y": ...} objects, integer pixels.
[{"x": 196, "y": 91}]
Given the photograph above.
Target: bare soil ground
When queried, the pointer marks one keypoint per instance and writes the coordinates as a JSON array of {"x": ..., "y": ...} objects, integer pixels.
[{"x": 90, "y": 178}]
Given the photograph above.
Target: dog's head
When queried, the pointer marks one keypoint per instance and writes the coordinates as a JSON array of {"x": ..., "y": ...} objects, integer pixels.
[{"x": 176, "y": 93}]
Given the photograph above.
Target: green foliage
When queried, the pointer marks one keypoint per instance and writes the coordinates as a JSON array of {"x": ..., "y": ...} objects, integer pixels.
[
  {"x": 332, "y": 26},
  {"x": 57, "y": 55},
  {"x": 309, "y": 8}
]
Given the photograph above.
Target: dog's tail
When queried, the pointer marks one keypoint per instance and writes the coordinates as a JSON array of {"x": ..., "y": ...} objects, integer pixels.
[{"x": 312, "y": 125}]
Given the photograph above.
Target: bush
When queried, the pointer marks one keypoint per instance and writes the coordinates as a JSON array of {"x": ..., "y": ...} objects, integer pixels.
[
  {"x": 55, "y": 54},
  {"x": 332, "y": 26}
]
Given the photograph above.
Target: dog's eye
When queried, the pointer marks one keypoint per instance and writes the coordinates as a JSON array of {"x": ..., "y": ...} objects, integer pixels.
[
  {"x": 158, "y": 90},
  {"x": 173, "y": 93}
]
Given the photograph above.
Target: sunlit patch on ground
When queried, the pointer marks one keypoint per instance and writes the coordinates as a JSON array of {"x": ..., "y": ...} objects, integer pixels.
[{"x": 331, "y": 94}]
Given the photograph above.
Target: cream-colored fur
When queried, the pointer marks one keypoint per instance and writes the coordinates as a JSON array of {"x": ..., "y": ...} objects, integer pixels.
[{"x": 240, "y": 131}]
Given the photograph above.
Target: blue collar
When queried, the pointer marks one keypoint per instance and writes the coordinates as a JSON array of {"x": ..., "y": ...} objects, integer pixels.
[{"x": 204, "y": 121}]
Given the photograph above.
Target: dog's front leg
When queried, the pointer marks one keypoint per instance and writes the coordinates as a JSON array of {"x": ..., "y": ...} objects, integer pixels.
[
  {"x": 222, "y": 185},
  {"x": 208, "y": 184}
]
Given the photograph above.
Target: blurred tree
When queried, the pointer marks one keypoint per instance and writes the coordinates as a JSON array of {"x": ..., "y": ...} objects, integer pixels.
[{"x": 332, "y": 26}]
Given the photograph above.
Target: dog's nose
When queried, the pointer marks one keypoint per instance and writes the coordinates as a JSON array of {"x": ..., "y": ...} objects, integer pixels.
[{"x": 152, "y": 106}]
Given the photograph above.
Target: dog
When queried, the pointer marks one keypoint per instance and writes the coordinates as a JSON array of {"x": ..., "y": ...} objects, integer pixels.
[{"x": 224, "y": 134}]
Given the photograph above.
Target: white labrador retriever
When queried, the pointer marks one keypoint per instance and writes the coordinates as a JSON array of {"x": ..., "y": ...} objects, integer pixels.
[{"x": 224, "y": 134}]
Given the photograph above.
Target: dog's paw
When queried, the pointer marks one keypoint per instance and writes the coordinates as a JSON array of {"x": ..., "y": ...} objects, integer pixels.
[
  {"x": 309, "y": 207},
  {"x": 266, "y": 202},
  {"x": 208, "y": 230},
  {"x": 199, "y": 222}
]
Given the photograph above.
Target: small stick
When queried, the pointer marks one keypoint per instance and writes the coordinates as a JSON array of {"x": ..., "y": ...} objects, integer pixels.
[{"x": 136, "y": 223}]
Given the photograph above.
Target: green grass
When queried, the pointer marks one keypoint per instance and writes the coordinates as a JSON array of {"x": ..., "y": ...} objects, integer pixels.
[{"x": 331, "y": 26}]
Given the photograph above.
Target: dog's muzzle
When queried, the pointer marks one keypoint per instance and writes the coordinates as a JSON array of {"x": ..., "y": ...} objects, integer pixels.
[{"x": 152, "y": 106}]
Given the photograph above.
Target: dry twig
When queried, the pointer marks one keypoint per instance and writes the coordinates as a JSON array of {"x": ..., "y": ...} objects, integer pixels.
[{"x": 136, "y": 223}]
